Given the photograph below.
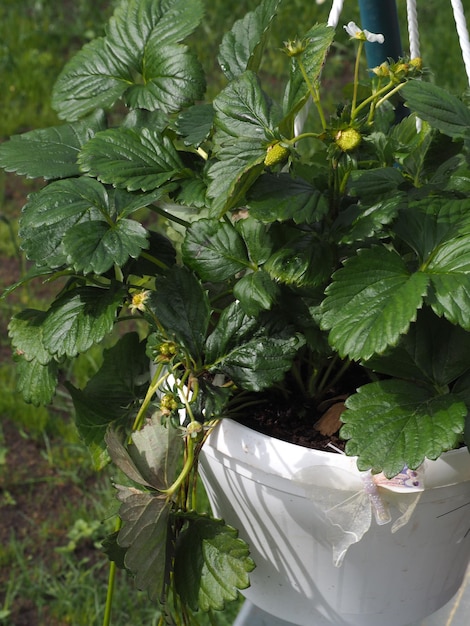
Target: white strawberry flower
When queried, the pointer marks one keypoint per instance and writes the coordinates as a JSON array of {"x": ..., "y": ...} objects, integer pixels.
[{"x": 355, "y": 32}]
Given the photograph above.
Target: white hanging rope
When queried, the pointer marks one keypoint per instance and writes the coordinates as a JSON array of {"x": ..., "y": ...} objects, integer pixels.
[
  {"x": 335, "y": 12},
  {"x": 462, "y": 32},
  {"x": 413, "y": 30}
]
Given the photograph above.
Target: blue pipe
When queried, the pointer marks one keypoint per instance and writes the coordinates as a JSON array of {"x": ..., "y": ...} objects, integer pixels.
[{"x": 381, "y": 16}]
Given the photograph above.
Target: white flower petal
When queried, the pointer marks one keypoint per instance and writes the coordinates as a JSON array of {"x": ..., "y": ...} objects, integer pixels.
[
  {"x": 352, "y": 29},
  {"x": 374, "y": 37}
]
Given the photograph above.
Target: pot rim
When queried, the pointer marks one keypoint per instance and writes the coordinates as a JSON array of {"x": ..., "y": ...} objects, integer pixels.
[{"x": 265, "y": 459}]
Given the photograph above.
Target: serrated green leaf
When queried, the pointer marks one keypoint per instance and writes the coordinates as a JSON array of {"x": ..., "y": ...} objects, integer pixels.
[
  {"x": 144, "y": 535},
  {"x": 93, "y": 78},
  {"x": 305, "y": 260},
  {"x": 242, "y": 46},
  {"x": 36, "y": 382},
  {"x": 244, "y": 110},
  {"x": 360, "y": 222},
  {"x": 390, "y": 424},
  {"x": 234, "y": 327},
  {"x": 214, "y": 250},
  {"x": 431, "y": 222},
  {"x": 230, "y": 178},
  {"x": 433, "y": 350},
  {"x": 114, "y": 391},
  {"x": 450, "y": 279},
  {"x": 50, "y": 213},
  {"x": 25, "y": 331},
  {"x": 371, "y": 302},
  {"x": 173, "y": 78},
  {"x": 135, "y": 22},
  {"x": 259, "y": 362},
  {"x": 140, "y": 46},
  {"x": 437, "y": 106},
  {"x": 211, "y": 564},
  {"x": 279, "y": 197},
  {"x": 376, "y": 183},
  {"x": 181, "y": 306},
  {"x": 151, "y": 460},
  {"x": 318, "y": 39},
  {"x": 51, "y": 152},
  {"x": 96, "y": 246},
  {"x": 257, "y": 239},
  {"x": 80, "y": 318},
  {"x": 195, "y": 124},
  {"x": 256, "y": 292},
  {"x": 131, "y": 159}
]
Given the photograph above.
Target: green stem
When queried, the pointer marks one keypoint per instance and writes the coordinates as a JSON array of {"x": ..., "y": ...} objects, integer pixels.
[
  {"x": 169, "y": 216},
  {"x": 356, "y": 80},
  {"x": 314, "y": 93},
  {"x": 111, "y": 585},
  {"x": 157, "y": 380},
  {"x": 389, "y": 95}
]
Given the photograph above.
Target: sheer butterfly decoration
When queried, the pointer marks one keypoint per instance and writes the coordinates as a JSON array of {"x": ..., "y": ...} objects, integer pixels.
[{"x": 346, "y": 504}]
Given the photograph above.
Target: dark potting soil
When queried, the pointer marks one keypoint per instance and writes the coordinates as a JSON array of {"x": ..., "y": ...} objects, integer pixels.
[{"x": 297, "y": 424}]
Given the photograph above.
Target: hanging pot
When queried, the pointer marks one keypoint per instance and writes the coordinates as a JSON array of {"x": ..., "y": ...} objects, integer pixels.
[{"x": 321, "y": 557}]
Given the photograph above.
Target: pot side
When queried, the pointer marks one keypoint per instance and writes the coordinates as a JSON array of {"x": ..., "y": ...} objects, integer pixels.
[{"x": 274, "y": 492}]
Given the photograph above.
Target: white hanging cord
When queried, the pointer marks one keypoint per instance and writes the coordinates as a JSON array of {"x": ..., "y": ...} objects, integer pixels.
[
  {"x": 413, "y": 30},
  {"x": 462, "y": 31},
  {"x": 335, "y": 12}
]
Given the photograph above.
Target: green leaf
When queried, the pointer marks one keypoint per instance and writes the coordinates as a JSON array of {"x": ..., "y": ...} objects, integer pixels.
[
  {"x": 195, "y": 124},
  {"x": 80, "y": 318},
  {"x": 50, "y": 213},
  {"x": 360, "y": 222},
  {"x": 182, "y": 308},
  {"x": 172, "y": 77},
  {"x": 390, "y": 424},
  {"x": 131, "y": 159},
  {"x": 211, "y": 563},
  {"x": 433, "y": 350},
  {"x": 242, "y": 46},
  {"x": 26, "y": 333},
  {"x": 150, "y": 461},
  {"x": 437, "y": 106},
  {"x": 234, "y": 327},
  {"x": 144, "y": 534},
  {"x": 376, "y": 183},
  {"x": 318, "y": 39},
  {"x": 50, "y": 152},
  {"x": 256, "y": 292},
  {"x": 230, "y": 178},
  {"x": 427, "y": 224},
  {"x": 97, "y": 245},
  {"x": 259, "y": 362},
  {"x": 305, "y": 260},
  {"x": 279, "y": 197},
  {"x": 112, "y": 394},
  {"x": 214, "y": 250},
  {"x": 257, "y": 239},
  {"x": 152, "y": 458},
  {"x": 371, "y": 302},
  {"x": 93, "y": 78},
  {"x": 244, "y": 110},
  {"x": 36, "y": 382},
  {"x": 449, "y": 270},
  {"x": 139, "y": 58}
]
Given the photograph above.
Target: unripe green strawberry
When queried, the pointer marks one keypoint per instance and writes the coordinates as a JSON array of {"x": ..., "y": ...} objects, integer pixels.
[
  {"x": 276, "y": 153},
  {"x": 348, "y": 139}
]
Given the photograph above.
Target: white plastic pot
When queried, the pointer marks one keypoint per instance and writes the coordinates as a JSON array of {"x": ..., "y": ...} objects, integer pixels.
[{"x": 280, "y": 496}]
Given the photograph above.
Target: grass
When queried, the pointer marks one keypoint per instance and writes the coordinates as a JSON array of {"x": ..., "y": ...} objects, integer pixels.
[{"x": 55, "y": 510}]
